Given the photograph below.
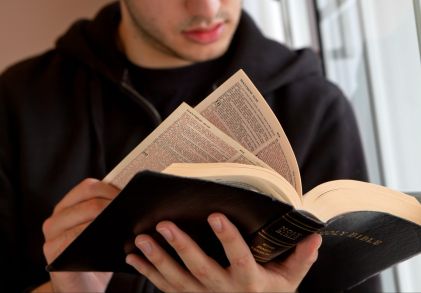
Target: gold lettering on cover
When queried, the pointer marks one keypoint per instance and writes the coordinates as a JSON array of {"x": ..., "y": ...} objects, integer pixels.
[
  {"x": 334, "y": 233},
  {"x": 261, "y": 259},
  {"x": 354, "y": 235},
  {"x": 288, "y": 233},
  {"x": 262, "y": 249},
  {"x": 298, "y": 223},
  {"x": 273, "y": 240}
]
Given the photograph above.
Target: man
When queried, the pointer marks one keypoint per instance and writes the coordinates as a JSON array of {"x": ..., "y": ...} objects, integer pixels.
[{"x": 74, "y": 112}]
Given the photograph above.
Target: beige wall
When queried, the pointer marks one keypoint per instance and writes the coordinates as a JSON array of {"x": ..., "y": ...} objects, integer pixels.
[{"x": 28, "y": 27}]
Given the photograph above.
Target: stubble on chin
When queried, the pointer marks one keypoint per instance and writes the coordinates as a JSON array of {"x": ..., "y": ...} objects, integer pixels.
[{"x": 175, "y": 48}]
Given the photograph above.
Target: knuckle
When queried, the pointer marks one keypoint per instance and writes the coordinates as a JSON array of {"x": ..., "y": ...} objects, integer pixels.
[
  {"x": 181, "y": 247},
  {"x": 75, "y": 232},
  {"x": 157, "y": 259},
  {"x": 146, "y": 271},
  {"x": 95, "y": 206},
  {"x": 90, "y": 185},
  {"x": 88, "y": 182},
  {"x": 201, "y": 272},
  {"x": 48, "y": 251},
  {"x": 179, "y": 286},
  {"x": 46, "y": 226},
  {"x": 70, "y": 235},
  {"x": 67, "y": 236},
  {"x": 229, "y": 237},
  {"x": 46, "y": 248},
  {"x": 242, "y": 260}
]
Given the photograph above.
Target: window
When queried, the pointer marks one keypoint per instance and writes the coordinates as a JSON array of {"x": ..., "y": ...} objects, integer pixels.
[{"x": 372, "y": 50}]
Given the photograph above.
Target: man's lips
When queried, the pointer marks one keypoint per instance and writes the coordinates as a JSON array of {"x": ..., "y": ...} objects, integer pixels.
[{"x": 205, "y": 35}]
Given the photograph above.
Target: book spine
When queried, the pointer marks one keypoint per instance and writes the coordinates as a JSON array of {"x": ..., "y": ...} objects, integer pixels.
[{"x": 281, "y": 235}]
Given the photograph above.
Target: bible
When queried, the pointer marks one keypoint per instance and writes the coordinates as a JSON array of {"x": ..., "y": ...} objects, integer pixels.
[{"x": 230, "y": 155}]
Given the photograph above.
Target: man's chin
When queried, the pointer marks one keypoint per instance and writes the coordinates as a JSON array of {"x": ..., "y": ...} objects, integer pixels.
[{"x": 208, "y": 54}]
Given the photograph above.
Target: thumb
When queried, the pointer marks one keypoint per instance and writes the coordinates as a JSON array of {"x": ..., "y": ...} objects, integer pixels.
[{"x": 300, "y": 261}]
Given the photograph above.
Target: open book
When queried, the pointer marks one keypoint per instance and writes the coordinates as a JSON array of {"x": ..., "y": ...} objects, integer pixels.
[
  {"x": 230, "y": 155},
  {"x": 326, "y": 201}
]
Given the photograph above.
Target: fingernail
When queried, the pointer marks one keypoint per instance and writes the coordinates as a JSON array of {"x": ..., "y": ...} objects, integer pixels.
[
  {"x": 145, "y": 246},
  {"x": 216, "y": 224},
  {"x": 166, "y": 233},
  {"x": 129, "y": 260}
]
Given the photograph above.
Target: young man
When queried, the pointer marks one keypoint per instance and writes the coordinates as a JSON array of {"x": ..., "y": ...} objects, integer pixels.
[{"x": 74, "y": 112}]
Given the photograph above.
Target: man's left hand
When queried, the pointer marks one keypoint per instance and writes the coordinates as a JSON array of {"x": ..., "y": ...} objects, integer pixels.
[{"x": 203, "y": 274}]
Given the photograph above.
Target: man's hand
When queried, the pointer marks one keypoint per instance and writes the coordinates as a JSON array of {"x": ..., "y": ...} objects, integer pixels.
[
  {"x": 204, "y": 274},
  {"x": 70, "y": 217}
]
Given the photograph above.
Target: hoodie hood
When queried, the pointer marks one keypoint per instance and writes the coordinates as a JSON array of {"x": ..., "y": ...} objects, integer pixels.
[
  {"x": 269, "y": 64},
  {"x": 94, "y": 43}
]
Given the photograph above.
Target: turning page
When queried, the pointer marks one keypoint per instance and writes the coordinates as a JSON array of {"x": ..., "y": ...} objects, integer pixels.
[
  {"x": 185, "y": 136},
  {"x": 239, "y": 110}
]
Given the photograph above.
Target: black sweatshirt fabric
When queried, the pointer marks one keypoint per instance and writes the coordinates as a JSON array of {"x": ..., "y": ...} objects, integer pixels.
[{"x": 78, "y": 109}]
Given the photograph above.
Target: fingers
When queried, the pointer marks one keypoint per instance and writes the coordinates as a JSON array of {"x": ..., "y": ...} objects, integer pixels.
[
  {"x": 85, "y": 190},
  {"x": 204, "y": 268},
  {"x": 296, "y": 266},
  {"x": 80, "y": 205},
  {"x": 67, "y": 218},
  {"x": 236, "y": 249},
  {"x": 74, "y": 212},
  {"x": 54, "y": 246},
  {"x": 203, "y": 273},
  {"x": 163, "y": 271},
  {"x": 150, "y": 272}
]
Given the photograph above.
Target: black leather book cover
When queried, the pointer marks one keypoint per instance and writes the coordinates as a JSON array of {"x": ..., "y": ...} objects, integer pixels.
[
  {"x": 152, "y": 197},
  {"x": 355, "y": 246},
  {"x": 359, "y": 245}
]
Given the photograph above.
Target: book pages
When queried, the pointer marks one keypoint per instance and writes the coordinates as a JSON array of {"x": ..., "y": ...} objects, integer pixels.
[
  {"x": 333, "y": 198},
  {"x": 262, "y": 180},
  {"x": 185, "y": 136},
  {"x": 239, "y": 110}
]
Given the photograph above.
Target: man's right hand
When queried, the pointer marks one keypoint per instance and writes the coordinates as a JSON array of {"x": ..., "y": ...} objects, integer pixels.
[{"x": 70, "y": 217}]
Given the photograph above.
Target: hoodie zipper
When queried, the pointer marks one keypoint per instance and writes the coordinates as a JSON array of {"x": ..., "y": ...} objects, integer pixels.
[{"x": 141, "y": 100}]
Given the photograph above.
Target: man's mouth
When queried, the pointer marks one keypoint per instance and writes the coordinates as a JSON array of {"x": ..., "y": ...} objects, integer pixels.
[{"x": 205, "y": 35}]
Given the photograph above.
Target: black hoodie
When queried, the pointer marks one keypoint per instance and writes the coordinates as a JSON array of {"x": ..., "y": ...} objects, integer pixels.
[{"x": 73, "y": 112}]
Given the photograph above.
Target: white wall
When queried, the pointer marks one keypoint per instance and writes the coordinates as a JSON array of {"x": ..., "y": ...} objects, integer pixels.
[{"x": 30, "y": 27}]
